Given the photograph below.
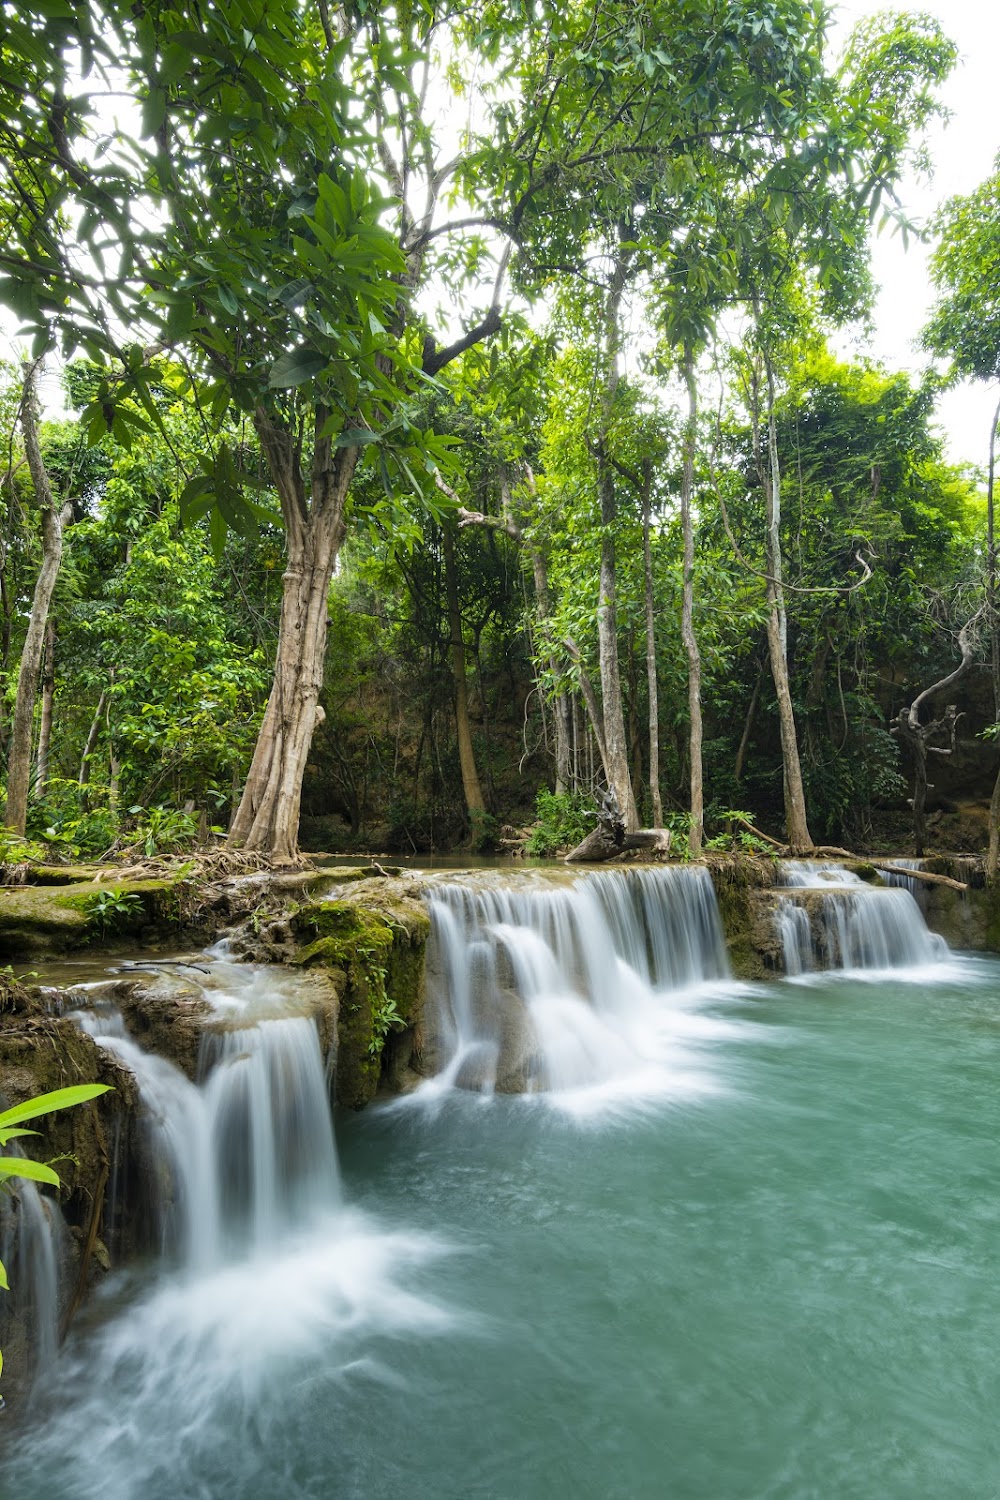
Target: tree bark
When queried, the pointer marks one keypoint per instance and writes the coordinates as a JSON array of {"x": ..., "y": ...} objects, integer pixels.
[
  {"x": 267, "y": 818},
  {"x": 474, "y": 801},
  {"x": 611, "y": 838},
  {"x": 88, "y": 749},
  {"x": 53, "y": 519},
  {"x": 615, "y": 742},
  {"x": 918, "y": 736},
  {"x": 696, "y": 834},
  {"x": 48, "y": 699},
  {"x": 991, "y": 568},
  {"x": 651, "y": 674},
  {"x": 796, "y": 824}
]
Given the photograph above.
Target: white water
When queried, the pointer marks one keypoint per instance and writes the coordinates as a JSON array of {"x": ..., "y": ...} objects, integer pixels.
[
  {"x": 263, "y": 1273},
  {"x": 860, "y": 926},
  {"x": 536, "y": 987},
  {"x": 34, "y": 1242}
]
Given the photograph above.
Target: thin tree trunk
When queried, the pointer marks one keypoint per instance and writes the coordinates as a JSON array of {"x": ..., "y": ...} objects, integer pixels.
[
  {"x": 993, "y": 852},
  {"x": 88, "y": 749},
  {"x": 696, "y": 834},
  {"x": 593, "y": 713},
  {"x": 53, "y": 519},
  {"x": 48, "y": 699},
  {"x": 991, "y": 569},
  {"x": 741, "y": 753},
  {"x": 474, "y": 800},
  {"x": 651, "y": 677},
  {"x": 796, "y": 824},
  {"x": 615, "y": 742}
]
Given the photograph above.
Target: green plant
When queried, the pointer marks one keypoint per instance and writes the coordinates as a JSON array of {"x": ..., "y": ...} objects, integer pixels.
[
  {"x": 109, "y": 911},
  {"x": 23, "y": 1167},
  {"x": 563, "y": 819},
  {"x": 164, "y": 830},
  {"x": 737, "y": 833},
  {"x": 679, "y": 825},
  {"x": 385, "y": 1018}
]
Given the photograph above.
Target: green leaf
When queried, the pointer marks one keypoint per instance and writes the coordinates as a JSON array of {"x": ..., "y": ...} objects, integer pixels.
[
  {"x": 296, "y": 368},
  {"x": 44, "y": 1104},
  {"x": 356, "y": 437},
  {"x": 228, "y": 300},
  {"x": 5, "y": 1285},
  {"x": 154, "y": 112},
  {"x": 31, "y": 1171}
]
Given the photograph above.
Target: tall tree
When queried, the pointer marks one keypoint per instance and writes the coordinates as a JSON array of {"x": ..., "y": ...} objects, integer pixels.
[
  {"x": 964, "y": 327},
  {"x": 54, "y": 513}
]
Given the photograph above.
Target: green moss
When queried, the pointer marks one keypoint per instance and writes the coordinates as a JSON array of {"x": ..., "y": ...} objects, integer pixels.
[
  {"x": 381, "y": 956},
  {"x": 39, "y": 919}
]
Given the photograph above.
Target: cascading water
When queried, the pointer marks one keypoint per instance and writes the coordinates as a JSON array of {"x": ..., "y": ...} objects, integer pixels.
[
  {"x": 264, "y": 1275},
  {"x": 898, "y": 875},
  {"x": 33, "y": 1248},
  {"x": 541, "y": 987},
  {"x": 236, "y": 1158},
  {"x": 850, "y": 925}
]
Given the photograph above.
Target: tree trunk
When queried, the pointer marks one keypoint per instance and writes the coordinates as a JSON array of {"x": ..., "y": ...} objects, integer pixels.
[
  {"x": 615, "y": 742},
  {"x": 474, "y": 800},
  {"x": 88, "y": 749},
  {"x": 267, "y": 819},
  {"x": 991, "y": 569},
  {"x": 53, "y": 520},
  {"x": 741, "y": 753},
  {"x": 697, "y": 830},
  {"x": 796, "y": 825},
  {"x": 651, "y": 677},
  {"x": 993, "y": 853},
  {"x": 48, "y": 698}
]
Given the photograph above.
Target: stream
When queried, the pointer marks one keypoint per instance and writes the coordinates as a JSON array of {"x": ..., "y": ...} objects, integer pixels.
[{"x": 744, "y": 1250}]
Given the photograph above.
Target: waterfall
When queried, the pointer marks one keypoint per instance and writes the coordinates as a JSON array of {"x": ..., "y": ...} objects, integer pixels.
[
  {"x": 249, "y": 1149},
  {"x": 34, "y": 1247},
  {"x": 543, "y": 987},
  {"x": 899, "y": 877},
  {"x": 844, "y": 923}
]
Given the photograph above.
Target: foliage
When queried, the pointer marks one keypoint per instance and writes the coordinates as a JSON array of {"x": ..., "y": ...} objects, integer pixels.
[
  {"x": 111, "y": 910},
  {"x": 563, "y": 820},
  {"x": 385, "y": 1017},
  {"x": 164, "y": 830},
  {"x": 964, "y": 325}
]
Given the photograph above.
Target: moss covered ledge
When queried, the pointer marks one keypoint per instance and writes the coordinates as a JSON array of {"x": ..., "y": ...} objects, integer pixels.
[
  {"x": 36, "y": 920},
  {"x": 375, "y": 942}
]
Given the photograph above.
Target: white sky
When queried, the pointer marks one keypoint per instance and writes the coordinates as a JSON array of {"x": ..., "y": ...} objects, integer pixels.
[{"x": 964, "y": 151}]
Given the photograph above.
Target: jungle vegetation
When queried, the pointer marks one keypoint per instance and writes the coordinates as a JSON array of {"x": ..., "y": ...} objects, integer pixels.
[{"x": 429, "y": 409}]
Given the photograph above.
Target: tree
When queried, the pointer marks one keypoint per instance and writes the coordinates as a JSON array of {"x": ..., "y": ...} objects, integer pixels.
[
  {"x": 964, "y": 327},
  {"x": 54, "y": 514}
]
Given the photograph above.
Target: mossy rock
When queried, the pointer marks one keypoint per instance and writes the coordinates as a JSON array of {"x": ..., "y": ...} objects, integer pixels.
[
  {"x": 379, "y": 952},
  {"x": 41, "y": 919}
]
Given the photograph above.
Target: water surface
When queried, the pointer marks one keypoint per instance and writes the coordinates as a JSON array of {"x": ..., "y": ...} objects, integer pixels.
[{"x": 775, "y": 1277}]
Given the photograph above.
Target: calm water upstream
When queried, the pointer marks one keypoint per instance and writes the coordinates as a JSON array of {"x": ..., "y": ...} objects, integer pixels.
[{"x": 776, "y": 1277}]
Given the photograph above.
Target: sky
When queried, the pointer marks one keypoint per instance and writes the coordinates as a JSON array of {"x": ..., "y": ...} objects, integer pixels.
[{"x": 963, "y": 152}]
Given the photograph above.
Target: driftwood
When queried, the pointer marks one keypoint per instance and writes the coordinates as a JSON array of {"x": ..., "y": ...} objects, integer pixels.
[
  {"x": 609, "y": 839},
  {"x": 925, "y": 875}
]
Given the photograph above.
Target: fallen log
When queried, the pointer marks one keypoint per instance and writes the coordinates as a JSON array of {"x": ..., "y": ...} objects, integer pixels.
[
  {"x": 602, "y": 844},
  {"x": 888, "y": 867},
  {"x": 610, "y": 839},
  {"x": 925, "y": 875}
]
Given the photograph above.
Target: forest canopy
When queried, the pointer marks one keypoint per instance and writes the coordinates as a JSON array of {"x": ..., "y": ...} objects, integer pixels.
[{"x": 454, "y": 425}]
